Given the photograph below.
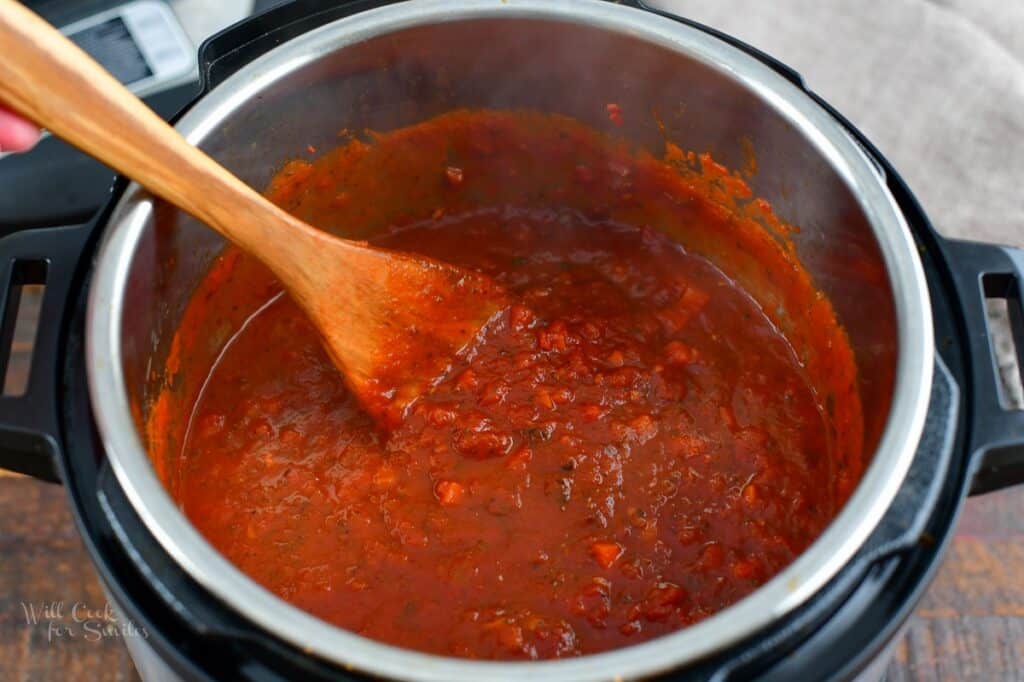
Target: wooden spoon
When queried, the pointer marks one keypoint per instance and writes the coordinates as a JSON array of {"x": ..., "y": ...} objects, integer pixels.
[{"x": 391, "y": 322}]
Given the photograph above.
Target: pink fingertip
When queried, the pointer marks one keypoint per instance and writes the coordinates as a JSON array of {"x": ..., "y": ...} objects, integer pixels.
[{"x": 16, "y": 134}]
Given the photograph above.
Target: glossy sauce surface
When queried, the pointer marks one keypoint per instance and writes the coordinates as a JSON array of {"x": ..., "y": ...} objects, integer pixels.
[{"x": 630, "y": 448}]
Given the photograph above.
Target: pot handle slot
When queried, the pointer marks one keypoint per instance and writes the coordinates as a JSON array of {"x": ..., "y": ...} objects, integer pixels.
[
  {"x": 224, "y": 53},
  {"x": 984, "y": 272},
  {"x": 29, "y": 430}
]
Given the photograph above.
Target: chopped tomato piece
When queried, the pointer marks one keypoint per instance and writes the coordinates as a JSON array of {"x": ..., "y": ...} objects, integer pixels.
[
  {"x": 614, "y": 113},
  {"x": 449, "y": 493},
  {"x": 453, "y": 175},
  {"x": 606, "y": 553},
  {"x": 678, "y": 353}
]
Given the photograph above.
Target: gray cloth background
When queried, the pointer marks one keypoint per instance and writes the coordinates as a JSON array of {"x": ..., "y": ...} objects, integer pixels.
[{"x": 936, "y": 85}]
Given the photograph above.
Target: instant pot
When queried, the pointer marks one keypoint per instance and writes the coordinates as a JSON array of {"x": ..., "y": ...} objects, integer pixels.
[{"x": 914, "y": 305}]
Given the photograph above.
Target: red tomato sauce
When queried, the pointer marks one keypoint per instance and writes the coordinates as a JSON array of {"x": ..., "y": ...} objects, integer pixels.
[{"x": 631, "y": 447}]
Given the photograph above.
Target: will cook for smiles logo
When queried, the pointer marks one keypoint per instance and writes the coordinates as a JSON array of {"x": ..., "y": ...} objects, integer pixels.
[{"x": 62, "y": 621}]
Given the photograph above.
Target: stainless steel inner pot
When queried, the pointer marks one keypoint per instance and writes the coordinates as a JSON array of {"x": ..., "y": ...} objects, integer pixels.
[{"x": 406, "y": 62}]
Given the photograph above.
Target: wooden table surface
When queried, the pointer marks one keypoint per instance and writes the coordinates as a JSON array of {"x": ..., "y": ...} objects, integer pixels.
[{"x": 970, "y": 625}]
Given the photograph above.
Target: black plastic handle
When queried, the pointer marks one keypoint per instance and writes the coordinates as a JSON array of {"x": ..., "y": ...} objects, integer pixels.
[
  {"x": 29, "y": 427},
  {"x": 996, "y": 439}
]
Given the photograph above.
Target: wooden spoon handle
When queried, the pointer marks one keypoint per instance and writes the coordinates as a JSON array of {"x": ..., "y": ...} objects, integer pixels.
[{"x": 48, "y": 79}]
